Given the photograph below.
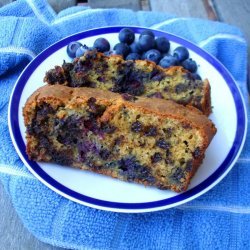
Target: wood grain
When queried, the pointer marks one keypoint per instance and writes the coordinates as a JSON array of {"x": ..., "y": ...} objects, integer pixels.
[
  {"x": 13, "y": 235},
  {"x": 182, "y": 8},
  {"x": 126, "y": 4}
]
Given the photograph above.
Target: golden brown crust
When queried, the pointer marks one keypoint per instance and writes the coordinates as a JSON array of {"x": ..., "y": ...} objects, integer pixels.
[
  {"x": 58, "y": 95},
  {"x": 200, "y": 99},
  {"x": 164, "y": 108}
]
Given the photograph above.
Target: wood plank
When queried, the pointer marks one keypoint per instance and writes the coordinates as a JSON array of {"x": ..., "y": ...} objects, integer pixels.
[
  {"x": 124, "y": 4},
  {"x": 181, "y": 8},
  {"x": 13, "y": 235}
]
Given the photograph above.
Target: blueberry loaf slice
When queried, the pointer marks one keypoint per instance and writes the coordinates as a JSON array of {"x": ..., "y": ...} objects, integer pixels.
[
  {"x": 158, "y": 143},
  {"x": 139, "y": 78}
]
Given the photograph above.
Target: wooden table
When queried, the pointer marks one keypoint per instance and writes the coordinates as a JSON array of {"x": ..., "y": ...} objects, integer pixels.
[{"x": 13, "y": 235}]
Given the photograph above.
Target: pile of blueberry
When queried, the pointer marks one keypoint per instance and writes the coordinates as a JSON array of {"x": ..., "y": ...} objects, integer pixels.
[{"x": 147, "y": 47}]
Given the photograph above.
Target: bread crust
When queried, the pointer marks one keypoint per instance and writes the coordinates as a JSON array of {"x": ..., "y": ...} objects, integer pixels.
[
  {"x": 58, "y": 95},
  {"x": 61, "y": 75}
]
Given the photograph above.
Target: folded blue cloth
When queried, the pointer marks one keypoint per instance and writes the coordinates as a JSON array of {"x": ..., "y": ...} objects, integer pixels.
[{"x": 219, "y": 219}]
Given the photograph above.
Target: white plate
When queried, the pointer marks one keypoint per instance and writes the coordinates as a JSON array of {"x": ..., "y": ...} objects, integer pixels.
[{"x": 229, "y": 116}]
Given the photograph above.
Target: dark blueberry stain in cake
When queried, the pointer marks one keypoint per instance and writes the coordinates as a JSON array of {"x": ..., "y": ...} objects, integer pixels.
[
  {"x": 39, "y": 123},
  {"x": 150, "y": 131},
  {"x": 186, "y": 125},
  {"x": 134, "y": 88},
  {"x": 44, "y": 110},
  {"x": 67, "y": 66},
  {"x": 168, "y": 132},
  {"x": 189, "y": 166},
  {"x": 104, "y": 154},
  {"x": 166, "y": 89},
  {"x": 136, "y": 127},
  {"x": 156, "y": 157},
  {"x": 153, "y": 73},
  {"x": 158, "y": 77},
  {"x": 92, "y": 103},
  {"x": 131, "y": 169},
  {"x": 63, "y": 157},
  {"x": 107, "y": 128},
  {"x": 101, "y": 78},
  {"x": 56, "y": 75},
  {"x": 169, "y": 161},
  {"x": 92, "y": 125},
  {"x": 128, "y": 97},
  {"x": 68, "y": 130},
  {"x": 161, "y": 143},
  {"x": 44, "y": 141},
  {"x": 97, "y": 109},
  {"x": 177, "y": 174},
  {"x": 118, "y": 141},
  {"x": 197, "y": 153},
  {"x": 85, "y": 147},
  {"x": 181, "y": 87},
  {"x": 167, "y": 153}
]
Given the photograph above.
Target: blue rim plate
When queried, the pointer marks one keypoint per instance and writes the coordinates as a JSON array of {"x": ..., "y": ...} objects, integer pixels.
[{"x": 235, "y": 134}]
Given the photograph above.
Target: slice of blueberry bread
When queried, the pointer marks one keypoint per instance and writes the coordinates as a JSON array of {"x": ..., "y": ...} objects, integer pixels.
[
  {"x": 138, "y": 78},
  {"x": 158, "y": 143}
]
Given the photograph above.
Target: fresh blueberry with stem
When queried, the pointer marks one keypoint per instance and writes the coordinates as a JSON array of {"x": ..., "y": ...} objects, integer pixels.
[
  {"x": 133, "y": 56},
  {"x": 168, "y": 61},
  {"x": 72, "y": 48},
  {"x": 101, "y": 44},
  {"x": 146, "y": 42},
  {"x": 190, "y": 65},
  {"x": 153, "y": 55},
  {"x": 126, "y": 35},
  {"x": 162, "y": 44},
  {"x": 121, "y": 49},
  {"x": 181, "y": 53},
  {"x": 147, "y": 32}
]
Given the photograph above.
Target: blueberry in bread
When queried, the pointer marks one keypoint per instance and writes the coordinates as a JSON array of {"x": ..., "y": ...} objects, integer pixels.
[
  {"x": 139, "y": 78},
  {"x": 158, "y": 143}
]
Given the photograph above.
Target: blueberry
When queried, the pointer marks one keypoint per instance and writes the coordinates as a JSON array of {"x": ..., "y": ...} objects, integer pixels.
[
  {"x": 133, "y": 56},
  {"x": 190, "y": 65},
  {"x": 147, "y": 32},
  {"x": 156, "y": 157},
  {"x": 135, "y": 48},
  {"x": 161, "y": 143},
  {"x": 168, "y": 61},
  {"x": 143, "y": 56},
  {"x": 81, "y": 50},
  {"x": 146, "y": 42},
  {"x": 195, "y": 76},
  {"x": 136, "y": 127},
  {"x": 126, "y": 36},
  {"x": 153, "y": 55},
  {"x": 72, "y": 48},
  {"x": 121, "y": 49},
  {"x": 101, "y": 44},
  {"x": 104, "y": 154},
  {"x": 150, "y": 131},
  {"x": 162, "y": 44},
  {"x": 181, "y": 53}
]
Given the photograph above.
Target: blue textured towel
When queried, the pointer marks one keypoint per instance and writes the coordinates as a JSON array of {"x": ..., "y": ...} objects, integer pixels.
[{"x": 220, "y": 219}]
